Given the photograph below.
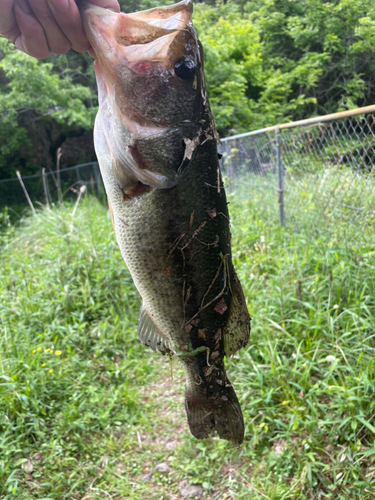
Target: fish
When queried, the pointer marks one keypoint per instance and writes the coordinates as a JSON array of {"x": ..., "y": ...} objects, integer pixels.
[{"x": 156, "y": 144}]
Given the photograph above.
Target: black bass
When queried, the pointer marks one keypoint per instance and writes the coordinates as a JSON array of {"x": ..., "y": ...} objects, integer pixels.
[{"x": 155, "y": 139}]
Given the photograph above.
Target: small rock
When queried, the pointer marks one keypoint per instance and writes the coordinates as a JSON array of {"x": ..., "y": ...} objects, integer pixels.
[
  {"x": 163, "y": 468},
  {"x": 171, "y": 445},
  {"x": 28, "y": 466},
  {"x": 147, "y": 477},
  {"x": 188, "y": 490}
]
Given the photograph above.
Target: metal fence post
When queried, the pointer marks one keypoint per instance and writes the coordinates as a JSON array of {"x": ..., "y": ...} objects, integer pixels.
[{"x": 280, "y": 188}]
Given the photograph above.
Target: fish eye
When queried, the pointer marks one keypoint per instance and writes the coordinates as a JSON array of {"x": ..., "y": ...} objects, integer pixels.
[{"x": 185, "y": 68}]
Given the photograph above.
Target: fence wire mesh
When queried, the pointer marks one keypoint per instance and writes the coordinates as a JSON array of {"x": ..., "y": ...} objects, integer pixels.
[
  {"x": 51, "y": 187},
  {"x": 318, "y": 177}
]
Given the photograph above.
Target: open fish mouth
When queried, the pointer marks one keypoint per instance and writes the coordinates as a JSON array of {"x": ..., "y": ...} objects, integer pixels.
[
  {"x": 149, "y": 74},
  {"x": 119, "y": 38},
  {"x": 157, "y": 42}
]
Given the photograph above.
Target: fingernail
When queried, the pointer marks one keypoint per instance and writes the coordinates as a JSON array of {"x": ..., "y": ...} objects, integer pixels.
[{"x": 59, "y": 5}]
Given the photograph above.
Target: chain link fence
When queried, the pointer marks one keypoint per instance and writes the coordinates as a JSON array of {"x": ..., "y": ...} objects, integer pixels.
[
  {"x": 50, "y": 186},
  {"x": 316, "y": 175}
]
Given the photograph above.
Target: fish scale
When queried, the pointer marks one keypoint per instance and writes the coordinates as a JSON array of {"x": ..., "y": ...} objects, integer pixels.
[
  {"x": 167, "y": 201},
  {"x": 146, "y": 238}
]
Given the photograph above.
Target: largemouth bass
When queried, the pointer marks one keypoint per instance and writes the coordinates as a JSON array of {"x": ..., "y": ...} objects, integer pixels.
[{"x": 155, "y": 139}]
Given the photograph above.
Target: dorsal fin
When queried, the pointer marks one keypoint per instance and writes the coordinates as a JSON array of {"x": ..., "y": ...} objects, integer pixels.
[
  {"x": 150, "y": 335},
  {"x": 237, "y": 329}
]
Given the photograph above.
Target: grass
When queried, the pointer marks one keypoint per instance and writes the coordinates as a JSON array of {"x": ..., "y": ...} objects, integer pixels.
[{"x": 86, "y": 412}]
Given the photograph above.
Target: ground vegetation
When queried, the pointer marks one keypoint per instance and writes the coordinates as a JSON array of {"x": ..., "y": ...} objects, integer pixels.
[{"x": 86, "y": 411}]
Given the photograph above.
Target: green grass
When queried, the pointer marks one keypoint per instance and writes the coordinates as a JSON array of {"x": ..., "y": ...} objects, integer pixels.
[{"x": 109, "y": 411}]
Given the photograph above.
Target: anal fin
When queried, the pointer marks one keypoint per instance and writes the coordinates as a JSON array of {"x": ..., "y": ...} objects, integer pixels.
[
  {"x": 237, "y": 329},
  {"x": 150, "y": 335}
]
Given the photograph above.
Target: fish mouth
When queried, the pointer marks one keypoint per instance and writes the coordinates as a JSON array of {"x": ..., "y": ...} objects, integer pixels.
[
  {"x": 148, "y": 43},
  {"x": 147, "y": 69},
  {"x": 140, "y": 40}
]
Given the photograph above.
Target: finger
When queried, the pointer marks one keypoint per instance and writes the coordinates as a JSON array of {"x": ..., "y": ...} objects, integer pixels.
[
  {"x": 7, "y": 20},
  {"x": 12, "y": 34},
  {"x": 32, "y": 39},
  {"x": 68, "y": 18},
  {"x": 57, "y": 41}
]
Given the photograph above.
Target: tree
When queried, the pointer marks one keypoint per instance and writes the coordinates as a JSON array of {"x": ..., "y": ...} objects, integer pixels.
[
  {"x": 319, "y": 56},
  {"x": 33, "y": 95},
  {"x": 266, "y": 62},
  {"x": 232, "y": 56}
]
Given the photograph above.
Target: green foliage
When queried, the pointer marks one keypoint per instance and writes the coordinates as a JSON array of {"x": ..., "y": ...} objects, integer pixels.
[
  {"x": 12, "y": 139},
  {"x": 232, "y": 56},
  {"x": 33, "y": 92},
  {"x": 136, "y": 5},
  {"x": 32, "y": 86},
  {"x": 277, "y": 60},
  {"x": 266, "y": 62},
  {"x": 65, "y": 366},
  {"x": 109, "y": 412},
  {"x": 321, "y": 54}
]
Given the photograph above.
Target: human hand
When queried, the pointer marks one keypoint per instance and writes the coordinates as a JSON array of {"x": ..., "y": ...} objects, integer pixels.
[{"x": 39, "y": 27}]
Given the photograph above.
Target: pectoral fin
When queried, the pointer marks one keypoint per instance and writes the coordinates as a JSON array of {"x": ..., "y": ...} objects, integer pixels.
[
  {"x": 237, "y": 330},
  {"x": 150, "y": 335}
]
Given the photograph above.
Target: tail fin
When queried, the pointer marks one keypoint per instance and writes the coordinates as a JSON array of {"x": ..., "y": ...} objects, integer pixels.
[{"x": 222, "y": 414}]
